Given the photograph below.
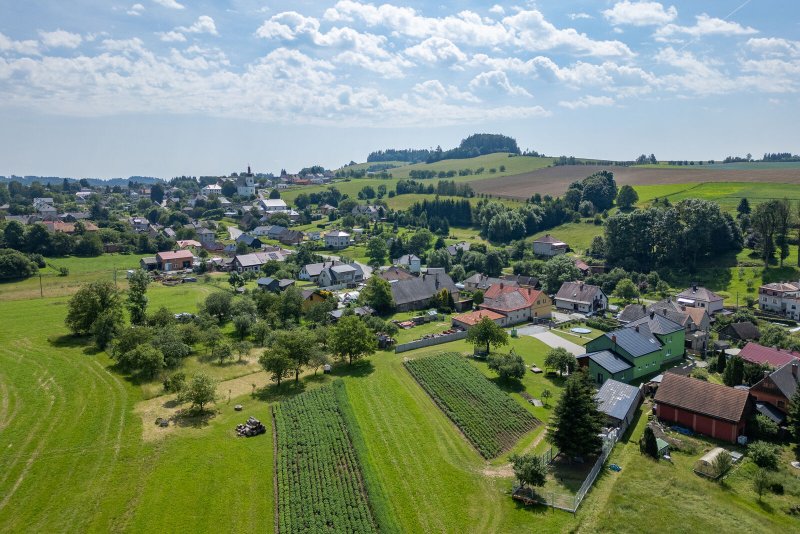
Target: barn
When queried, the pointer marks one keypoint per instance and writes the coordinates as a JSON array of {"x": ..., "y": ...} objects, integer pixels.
[{"x": 710, "y": 409}]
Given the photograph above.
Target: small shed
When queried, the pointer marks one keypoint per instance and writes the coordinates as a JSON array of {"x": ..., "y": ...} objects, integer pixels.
[
  {"x": 618, "y": 402},
  {"x": 663, "y": 447}
]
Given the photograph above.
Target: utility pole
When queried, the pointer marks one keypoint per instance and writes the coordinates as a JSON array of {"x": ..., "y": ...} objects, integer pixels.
[
  {"x": 115, "y": 277},
  {"x": 41, "y": 289}
]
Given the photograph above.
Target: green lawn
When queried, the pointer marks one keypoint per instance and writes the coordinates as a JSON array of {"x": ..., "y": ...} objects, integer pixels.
[{"x": 577, "y": 235}]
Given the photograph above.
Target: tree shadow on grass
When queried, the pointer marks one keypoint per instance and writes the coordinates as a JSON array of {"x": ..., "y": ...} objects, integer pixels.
[
  {"x": 275, "y": 393},
  {"x": 69, "y": 341},
  {"x": 194, "y": 419},
  {"x": 767, "y": 507},
  {"x": 509, "y": 386},
  {"x": 358, "y": 369}
]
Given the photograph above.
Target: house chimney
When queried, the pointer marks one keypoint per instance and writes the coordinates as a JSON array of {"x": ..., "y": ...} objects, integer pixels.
[
  {"x": 614, "y": 339},
  {"x": 652, "y": 315},
  {"x": 637, "y": 327},
  {"x": 664, "y": 312}
]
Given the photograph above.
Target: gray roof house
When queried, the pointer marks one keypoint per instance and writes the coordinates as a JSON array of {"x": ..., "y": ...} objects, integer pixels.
[
  {"x": 343, "y": 275},
  {"x": 619, "y": 402},
  {"x": 580, "y": 297},
  {"x": 482, "y": 282},
  {"x": 416, "y": 293}
]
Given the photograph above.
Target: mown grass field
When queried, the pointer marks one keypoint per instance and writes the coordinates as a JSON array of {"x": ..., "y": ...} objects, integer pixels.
[
  {"x": 727, "y": 194},
  {"x": 73, "y": 457}
]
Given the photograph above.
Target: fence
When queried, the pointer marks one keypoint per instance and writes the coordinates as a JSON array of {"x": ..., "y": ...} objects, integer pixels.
[
  {"x": 562, "y": 501},
  {"x": 428, "y": 342}
]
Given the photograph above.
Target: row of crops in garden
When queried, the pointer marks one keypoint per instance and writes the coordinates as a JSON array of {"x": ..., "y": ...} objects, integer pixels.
[
  {"x": 491, "y": 420},
  {"x": 320, "y": 485}
]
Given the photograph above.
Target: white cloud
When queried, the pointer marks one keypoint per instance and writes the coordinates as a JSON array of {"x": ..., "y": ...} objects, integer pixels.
[
  {"x": 587, "y": 101},
  {"x": 135, "y": 10},
  {"x": 436, "y": 50},
  {"x": 579, "y": 16},
  {"x": 705, "y": 25},
  {"x": 497, "y": 9},
  {"x": 774, "y": 46},
  {"x": 60, "y": 39},
  {"x": 436, "y": 90},
  {"x": 172, "y": 37},
  {"x": 640, "y": 13},
  {"x": 534, "y": 33},
  {"x": 203, "y": 24},
  {"x": 28, "y": 47},
  {"x": 170, "y": 4},
  {"x": 526, "y": 29},
  {"x": 497, "y": 80}
]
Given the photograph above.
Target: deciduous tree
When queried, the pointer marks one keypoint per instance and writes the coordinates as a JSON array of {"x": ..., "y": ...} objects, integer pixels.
[
  {"x": 350, "y": 339},
  {"x": 487, "y": 333},
  {"x": 137, "y": 296}
]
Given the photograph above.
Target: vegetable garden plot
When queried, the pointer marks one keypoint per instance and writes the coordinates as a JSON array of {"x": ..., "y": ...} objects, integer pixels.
[
  {"x": 320, "y": 486},
  {"x": 490, "y": 419}
]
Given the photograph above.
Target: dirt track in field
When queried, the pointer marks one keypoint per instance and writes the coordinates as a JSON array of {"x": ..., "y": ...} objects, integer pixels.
[{"x": 554, "y": 181}]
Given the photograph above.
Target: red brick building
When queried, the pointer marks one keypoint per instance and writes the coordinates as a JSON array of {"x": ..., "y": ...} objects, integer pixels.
[{"x": 710, "y": 409}]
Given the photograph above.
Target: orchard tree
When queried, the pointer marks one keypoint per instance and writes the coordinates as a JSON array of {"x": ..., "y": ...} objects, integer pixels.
[
  {"x": 218, "y": 304},
  {"x": 557, "y": 271},
  {"x": 201, "y": 390},
  {"x": 507, "y": 366},
  {"x": 276, "y": 362},
  {"x": 530, "y": 469},
  {"x": 88, "y": 304},
  {"x": 561, "y": 360},
  {"x": 794, "y": 416},
  {"x": 576, "y": 423},
  {"x": 486, "y": 332},
  {"x": 236, "y": 280},
  {"x": 350, "y": 339},
  {"x": 137, "y": 296},
  {"x": 298, "y": 344}
]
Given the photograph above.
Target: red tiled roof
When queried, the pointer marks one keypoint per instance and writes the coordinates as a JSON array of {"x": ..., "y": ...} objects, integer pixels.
[
  {"x": 176, "y": 255},
  {"x": 472, "y": 318},
  {"x": 713, "y": 400},
  {"x": 505, "y": 297},
  {"x": 774, "y": 357}
]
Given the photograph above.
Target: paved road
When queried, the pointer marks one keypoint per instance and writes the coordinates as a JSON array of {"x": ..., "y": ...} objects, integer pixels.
[
  {"x": 234, "y": 232},
  {"x": 548, "y": 338}
]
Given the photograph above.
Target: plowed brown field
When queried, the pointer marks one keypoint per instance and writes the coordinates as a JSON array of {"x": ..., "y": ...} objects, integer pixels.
[{"x": 555, "y": 180}]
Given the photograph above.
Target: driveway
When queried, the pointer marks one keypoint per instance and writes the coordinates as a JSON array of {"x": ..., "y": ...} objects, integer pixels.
[
  {"x": 234, "y": 232},
  {"x": 552, "y": 340}
]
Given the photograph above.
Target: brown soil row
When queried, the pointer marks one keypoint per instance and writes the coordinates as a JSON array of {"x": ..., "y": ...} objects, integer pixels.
[{"x": 554, "y": 181}]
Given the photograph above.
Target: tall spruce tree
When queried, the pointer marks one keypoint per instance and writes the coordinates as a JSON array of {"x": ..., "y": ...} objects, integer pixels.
[{"x": 576, "y": 422}]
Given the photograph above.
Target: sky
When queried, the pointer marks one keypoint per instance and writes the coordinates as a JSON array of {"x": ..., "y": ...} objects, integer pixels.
[{"x": 107, "y": 88}]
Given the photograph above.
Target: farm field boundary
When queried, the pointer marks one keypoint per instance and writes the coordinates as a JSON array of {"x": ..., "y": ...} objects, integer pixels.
[
  {"x": 555, "y": 180},
  {"x": 490, "y": 419}
]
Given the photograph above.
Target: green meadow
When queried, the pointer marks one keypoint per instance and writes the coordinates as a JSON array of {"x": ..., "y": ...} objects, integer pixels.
[{"x": 78, "y": 455}]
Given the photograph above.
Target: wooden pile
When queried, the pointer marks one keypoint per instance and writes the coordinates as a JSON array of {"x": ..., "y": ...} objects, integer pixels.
[{"x": 253, "y": 427}]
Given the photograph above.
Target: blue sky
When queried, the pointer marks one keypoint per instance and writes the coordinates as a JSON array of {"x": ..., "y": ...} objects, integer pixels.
[{"x": 166, "y": 87}]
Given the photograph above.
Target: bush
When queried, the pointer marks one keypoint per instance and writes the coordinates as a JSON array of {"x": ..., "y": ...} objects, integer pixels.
[
  {"x": 175, "y": 383},
  {"x": 700, "y": 374},
  {"x": 763, "y": 454}
]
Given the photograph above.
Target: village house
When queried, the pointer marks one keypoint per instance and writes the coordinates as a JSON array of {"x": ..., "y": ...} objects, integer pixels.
[
  {"x": 521, "y": 280},
  {"x": 177, "y": 260},
  {"x": 777, "y": 388},
  {"x": 276, "y": 205},
  {"x": 418, "y": 292},
  {"x": 481, "y": 282},
  {"x": 619, "y": 402},
  {"x": 139, "y": 224},
  {"x": 273, "y": 284},
  {"x": 410, "y": 262},
  {"x": 549, "y": 246},
  {"x": 470, "y": 319},
  {"x": 770, "y": 356},
  {"x": 700, "y": 297},
  {"x": 516, "y": 304},
  {"x": 205, "y": 236},
  {"x": 695, "y": 321},
  {"x": 255, "y": 260},
  {"x": 580, "y": 297},
  {"x": 212, "y": 189},
  {"x": 640, "y": 348},
  {"x": 68, "y": 227},
  {"x": 340, "y": 276},
  {"x": 359, "y": 311},
  {"x": 714, "y": 410},
  {"x": 744, "y": 331},
  {"x": 373, "y": 212},
  {"x": 394, "y": 273},
  {"x": 312, "y": 271},
  {"x": 337, "y": 239},
  {"x": 313, "y": 296},
  {"x": 780, "y": 297},
  {"x": 249, "y": 240},
  {"x": 454, "y": 249}
]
